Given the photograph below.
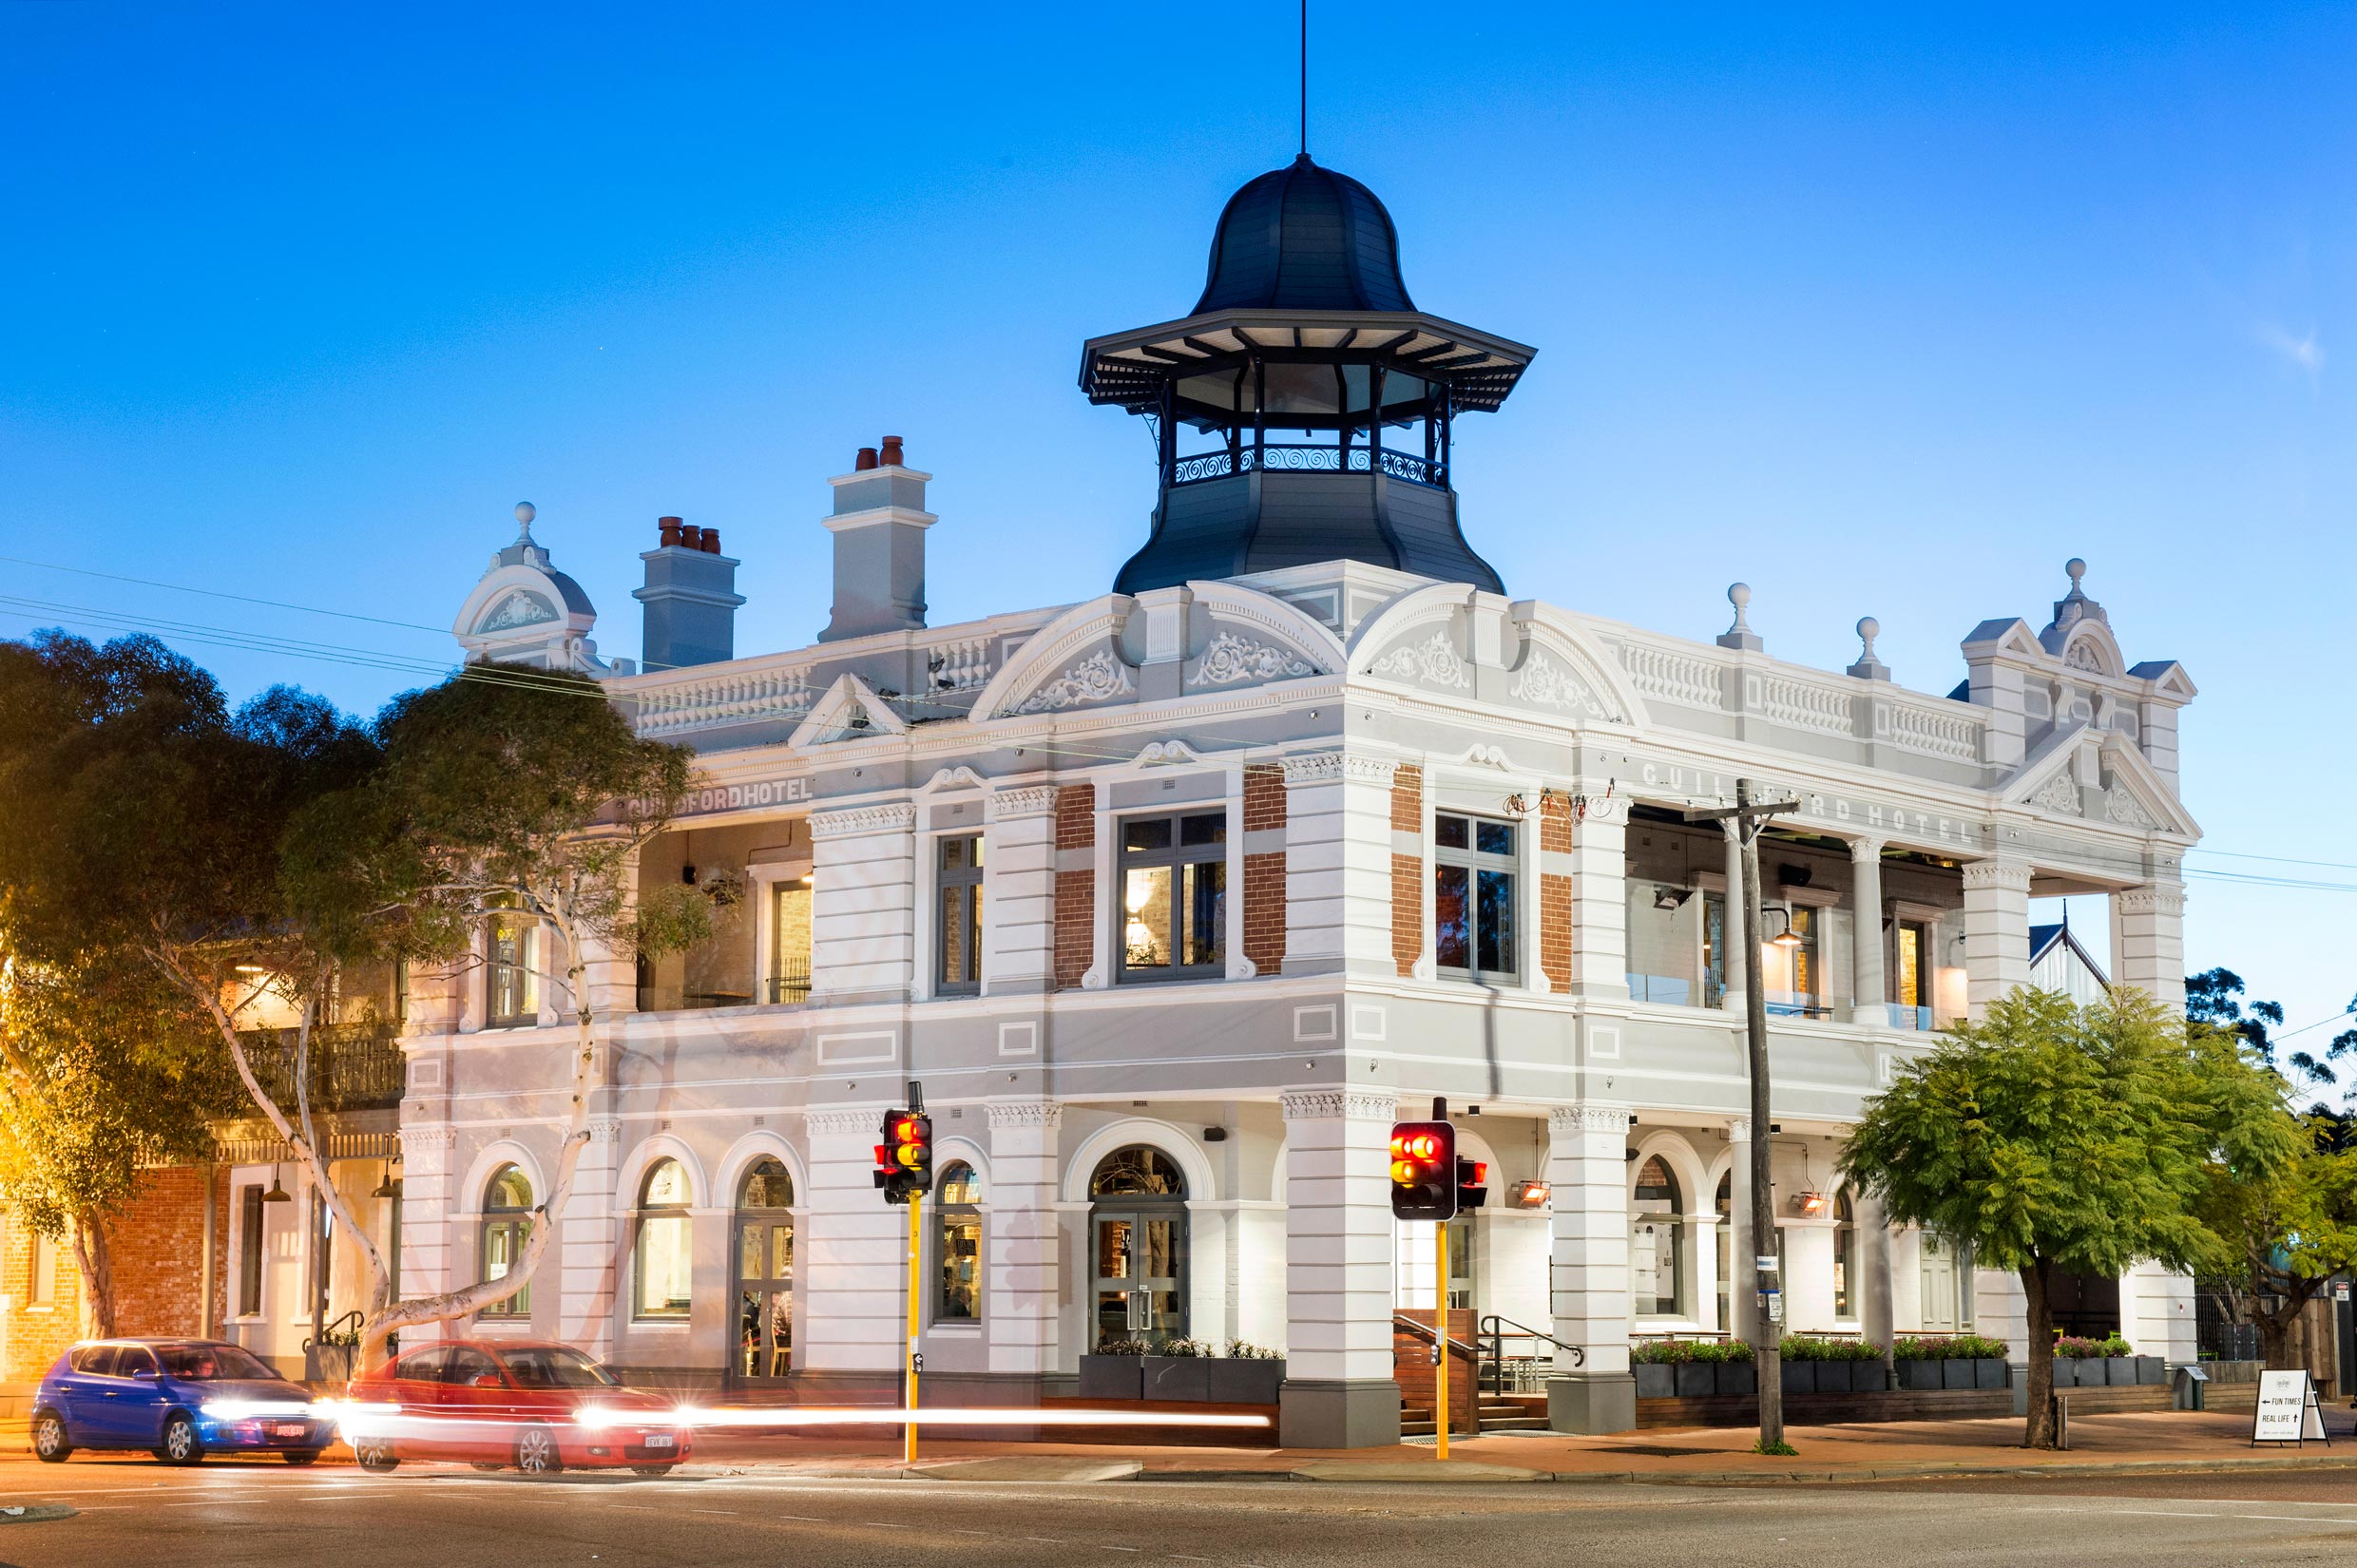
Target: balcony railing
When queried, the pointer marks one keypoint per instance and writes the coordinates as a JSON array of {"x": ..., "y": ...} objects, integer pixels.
[
  {"x": 353, "y": 1067},
  {"x": 1309, "y": 457}
]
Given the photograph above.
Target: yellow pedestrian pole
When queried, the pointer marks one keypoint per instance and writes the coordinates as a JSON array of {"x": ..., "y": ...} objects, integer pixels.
[
  {"x": 916, "y": 1274},
  {"x": 1440, "y": 1336}
]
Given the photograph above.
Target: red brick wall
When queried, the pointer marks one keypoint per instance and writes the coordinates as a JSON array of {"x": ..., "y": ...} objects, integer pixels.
[
  {"x": 1412, "y": 1366},
  {"x": 1076, "y": 891},
  {"x": 1408, "y": 869},
  {"x": 157, "y": 1248},
  {"x": 1264, "y": 875},
  {"x": 37, "y": 1338},
  {"x": 1555, "y": 894}
]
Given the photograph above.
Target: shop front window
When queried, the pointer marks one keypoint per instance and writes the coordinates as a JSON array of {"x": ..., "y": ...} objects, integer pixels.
[
  {"x": 958, "y": 1295},
  {"x": 1473, "y": 880},
  {"x": 1174, "y": 880},
  {"x": 664, "y": 1266},
  {"x": 1656, "y": 1265},
  {"x": 506, "y": 1224}
]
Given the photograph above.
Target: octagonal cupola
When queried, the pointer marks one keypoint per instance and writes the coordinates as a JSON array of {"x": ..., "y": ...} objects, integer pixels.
[{"x": 1305, "y": 410}]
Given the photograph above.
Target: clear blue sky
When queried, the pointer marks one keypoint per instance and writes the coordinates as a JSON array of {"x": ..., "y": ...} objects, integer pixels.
[{"x": 1882, "y": 311}]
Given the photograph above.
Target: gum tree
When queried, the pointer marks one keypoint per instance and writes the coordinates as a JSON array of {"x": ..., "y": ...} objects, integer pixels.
[
  {"x": 2055, "y": 1138},
  {"x": 503, "y": 793}
]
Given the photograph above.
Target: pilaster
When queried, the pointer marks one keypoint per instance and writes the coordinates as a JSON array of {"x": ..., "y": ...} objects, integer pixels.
[
  {"x": 1875, "y": 1320},
  {"x": 851, "y": 1254},
  {"x": 1339, "y": 1392},
  {"x": 1997, "y": 931},
  {"x": 2148, "y": 941},
  {"x": 1588, "y": 1155},
  {"x": 1338, "y": 864},
  {"x": 863, "y": 903},
  {"x": 1020, "y": 1233},
  {"x": 1019, "y": 892},
  {"x": 1599, "y": 942},
  {"x": 1868, "y": 990},
  {"x": 587, "y": 1254}
]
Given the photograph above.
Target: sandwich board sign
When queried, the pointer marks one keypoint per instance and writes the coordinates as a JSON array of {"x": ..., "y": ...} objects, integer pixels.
[{"x": 2286, "y": 1410}]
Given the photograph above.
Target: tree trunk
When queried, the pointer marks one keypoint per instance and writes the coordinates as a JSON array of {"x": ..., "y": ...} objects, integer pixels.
[
  {"x": 2040, "y": 1433},
  {"x": 94, "y": 1258}
]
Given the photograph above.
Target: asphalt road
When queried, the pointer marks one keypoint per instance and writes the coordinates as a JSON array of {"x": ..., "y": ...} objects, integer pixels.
[{"x": 223, "y": 1515}]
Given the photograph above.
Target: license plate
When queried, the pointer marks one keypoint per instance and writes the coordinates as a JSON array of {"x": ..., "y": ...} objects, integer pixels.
[
  {"x": 292, "y": 1428},
  {"x": 658, "y": 1440}
]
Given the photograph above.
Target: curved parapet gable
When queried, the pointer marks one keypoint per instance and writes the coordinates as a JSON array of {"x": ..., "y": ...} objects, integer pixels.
[
  {"x": 1565, "y": 670},
  {"x": 1252, "y": 638},
  {"x": 1073, "y": 661}
]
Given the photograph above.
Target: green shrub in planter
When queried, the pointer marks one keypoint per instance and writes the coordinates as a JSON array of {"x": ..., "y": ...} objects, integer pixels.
[
  {"x": 1248, "y": 1374},
  {"x": 1179, "y": 1368},
  {"x": 1115, "y": 1371}
]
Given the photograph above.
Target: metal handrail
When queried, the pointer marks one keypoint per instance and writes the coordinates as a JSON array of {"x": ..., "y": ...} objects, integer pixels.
[
  {"x": 1425, "y": 1330},
  {"x": 1492, "y": 1332},
  {"x": 349, "y": 1323}
]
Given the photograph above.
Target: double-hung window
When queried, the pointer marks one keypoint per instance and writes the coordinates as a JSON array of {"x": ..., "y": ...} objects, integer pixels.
[
  {"x": 1174, "y": 881},
  {"x": 512, "y": 987},
  {"x": 957, "y": 913},
  {"x": 1474, "y": 871}
]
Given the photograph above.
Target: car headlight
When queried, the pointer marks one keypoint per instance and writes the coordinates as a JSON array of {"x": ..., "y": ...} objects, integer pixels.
[{"x": 250, "y": 1409}]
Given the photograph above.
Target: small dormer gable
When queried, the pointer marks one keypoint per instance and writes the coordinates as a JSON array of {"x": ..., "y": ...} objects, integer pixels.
[{"x": 524, "y": 611}]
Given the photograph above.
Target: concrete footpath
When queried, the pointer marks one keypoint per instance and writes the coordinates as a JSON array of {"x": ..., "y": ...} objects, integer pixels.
[{"x": 2157, "y": 1443}]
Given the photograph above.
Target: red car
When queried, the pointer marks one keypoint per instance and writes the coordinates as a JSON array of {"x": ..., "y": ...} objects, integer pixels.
[{"x": 539, "y": 1407}]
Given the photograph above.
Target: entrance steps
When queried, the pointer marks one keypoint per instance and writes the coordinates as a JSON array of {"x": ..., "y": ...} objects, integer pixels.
[{"x": 1499, "y": 1413}]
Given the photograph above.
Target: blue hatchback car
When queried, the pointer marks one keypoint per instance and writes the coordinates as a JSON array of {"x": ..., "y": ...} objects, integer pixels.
[{"x": 179, "y": 1398}]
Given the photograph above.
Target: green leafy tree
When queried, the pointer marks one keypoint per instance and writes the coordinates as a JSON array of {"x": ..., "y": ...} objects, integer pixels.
[
  {"x": 503, "y": 795},
  {"x": 2056, "y": 1138},
  {"x": 97, "y": 1080},
  {"x": 2287, "y": 1233}
]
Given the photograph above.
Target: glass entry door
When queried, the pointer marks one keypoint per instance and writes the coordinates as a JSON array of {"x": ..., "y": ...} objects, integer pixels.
[
  {"x": 764, "y": 1256},
  {"x": 1139, "y": 1259}
]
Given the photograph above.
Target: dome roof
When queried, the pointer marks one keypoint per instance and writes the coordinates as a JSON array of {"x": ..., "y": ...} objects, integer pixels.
[{"x": 1304, "y": 238}]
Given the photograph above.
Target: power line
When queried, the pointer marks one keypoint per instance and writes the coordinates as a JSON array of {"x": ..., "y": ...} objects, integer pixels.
[{"x": 216, "y": 593}]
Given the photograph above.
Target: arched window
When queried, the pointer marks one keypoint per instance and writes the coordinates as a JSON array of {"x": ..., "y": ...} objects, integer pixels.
[
  {"x": 664, "y": 1252},
  {"x": 1656, "y": 1262},
  {"x": 958, "y": 1295},
  {"x": 1138, "y": 1242},
  {"x": 506, "y": 1224},
  {"x": 1726, "y": 1204},
  {"x": 1845, "y": 1256},
  {"x": 764, "y": 1273}
]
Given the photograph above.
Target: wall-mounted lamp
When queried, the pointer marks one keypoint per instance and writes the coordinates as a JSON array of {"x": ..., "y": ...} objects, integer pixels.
[
  {"x": 1787, "y": 938},
  {"x": 1811, "y": 1204},
  {"x": 1531, "y": 1195}
]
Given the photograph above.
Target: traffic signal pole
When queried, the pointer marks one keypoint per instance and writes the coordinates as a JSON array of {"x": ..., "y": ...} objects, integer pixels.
[
  {"x": 914, "y": 1360},
  {"x": 1439, "y": 1335}
]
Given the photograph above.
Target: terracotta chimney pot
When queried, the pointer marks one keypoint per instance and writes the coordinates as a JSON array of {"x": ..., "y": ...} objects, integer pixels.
[
  {"x": 670, "y": 527},
  {"x": 712, "y": 541},
  {"x": 892, "y": 452},
  {"x": 865, "y": 461}
]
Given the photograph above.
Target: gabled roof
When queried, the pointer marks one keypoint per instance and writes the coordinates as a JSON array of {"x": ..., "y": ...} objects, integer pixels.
[{"x": 2044, "y": 939}]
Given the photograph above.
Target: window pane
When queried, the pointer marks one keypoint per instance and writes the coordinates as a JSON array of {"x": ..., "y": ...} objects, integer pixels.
[
  {"x": 1145, "y": 919},
  {"x": 749, "y": 1252},
  {"x": 781, "y": 1251},
  {"x": 1494, "y": 837},
  {"x": 666, "y": 1184},
  {"x": 1451, "y": 933},
  {"x": 790, "y": 943},
  {"x": 1206, "y": 912},
  {"x": 1451, "y": 833},
  {"x": 961, "y": 1268},
  {"x": 960, "y": 937},
  {"x": 663, "y": 1266},
  {"x": 960, "y": 853},
  {"x": 1161, "y": 1250},
  {"x": 1113, "y": 1249},
  {"x": 1210, "y": 828},
  {"x": 1496, "y": 889},
  {"x": 1152, "y": 833}
]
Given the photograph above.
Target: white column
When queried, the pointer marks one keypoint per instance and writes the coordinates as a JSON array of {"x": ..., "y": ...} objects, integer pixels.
[
  {"x": 611, "y": 969},
  {"x": 1867, "y": 1003},
  {"x": 1742, "y": 1249},
  {"x": 1738, "y": 948},
  {"x": 1019, "y": 892},
  {"x": 1600, "y": 910},
  {"x": 1809, "y": 1283},
  {"x": 1997, "y": 931},
  {"x": 583, "y": 1262},
  {"x": 1705, "y": 1229},
  {"x": 1339, "y": 1392},
  {"x": 863, "y": 903},
  {"x": 1873, "y": 1284},
  {"x": 427, "y": 1182},
  {"x": 850, "y": 1259},
  {"x": 2148, "y": 941},
  {"x": 1338, "y": 864},
  {"x": 1018, "y": 1229},
  {"x": 1587, "y": 1159}
]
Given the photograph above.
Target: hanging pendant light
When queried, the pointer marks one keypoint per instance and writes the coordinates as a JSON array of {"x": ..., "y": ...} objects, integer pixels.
[
  {"x": 276, "y": 1192},
  {"x": 387, "y": 1188}
]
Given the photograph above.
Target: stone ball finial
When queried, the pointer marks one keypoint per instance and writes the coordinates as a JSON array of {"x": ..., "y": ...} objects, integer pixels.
[
  {"x": 526, "y": 511},
  {"x": 1740, "y": 635},
  {"x": 1869, "y": 629},
  {"x": 1738, "y": 594},
  {"x": 2077, "y": 568}
]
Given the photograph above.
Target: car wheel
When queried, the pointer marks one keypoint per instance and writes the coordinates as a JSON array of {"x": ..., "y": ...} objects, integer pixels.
[
  {"x": 303, "y": 1456},
  {"x": 375, "y": 1454},
  {"x": 536, "y": 1452},
  {"x": 652, "y": 1469},
  {"x": 49, "y": 1438},
  {"x": 180, "y": 1445}
]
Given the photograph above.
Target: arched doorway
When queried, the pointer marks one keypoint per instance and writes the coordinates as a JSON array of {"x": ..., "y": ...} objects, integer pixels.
[
  {"x": 1138, "y": 1245},
  {"x": 765, "y": 1264},
  {"x": 1657, "y": 1261}
]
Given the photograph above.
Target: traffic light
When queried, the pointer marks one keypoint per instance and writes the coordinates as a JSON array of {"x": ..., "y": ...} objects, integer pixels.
[
  {"x": 903, "y": 1161},
  {"x": 1423, "y": 1162},
  {"x": 1472, "y": 1184}
]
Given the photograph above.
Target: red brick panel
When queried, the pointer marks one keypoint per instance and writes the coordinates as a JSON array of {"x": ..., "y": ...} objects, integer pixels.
[
  {"x": 1076, "y": 907},
  {"x": 1264, "y": 797},
  {"x": 1408, "y": 869},
  {"x": 1407, "y": 799},
  {"x": 158, "y": 1253},
  {"x": 1076, "y": 817},
  {"x": 1264, "y": 911},
  {"x": 1555, "y": 929},
  {"x": 1555, "y": 824}
]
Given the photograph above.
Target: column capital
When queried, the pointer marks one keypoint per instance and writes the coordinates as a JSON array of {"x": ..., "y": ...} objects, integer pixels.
[
  {"x": 1005, "y": 805},
  {"x": 2005, "y": 875},
  {"x": 842, "y": 1124},
  {"x": 2163, "y": 898},
  {"x": 1588, "y": 1116},
  {"x": 1866, "y": 849},
  {"x": 1337, "y": 767},
  {"x": 1738, "y": 1129},
  {"x": 1024, "y": 1113},
  {"x": 605, "y": 1131},
  {"x": 894, "y": 817},
  {"x": 1356, "y": 1104}
]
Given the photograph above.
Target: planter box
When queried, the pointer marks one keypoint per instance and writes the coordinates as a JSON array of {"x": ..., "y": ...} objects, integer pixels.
[
  {"x": 1921, "y": 1377},
  {"x": 1238, "y": 1381},
  {"x": 1111, "y": 1377},
  {"x": 328, "y": 1362},
  {"x": 1800, "y": 1377},
  {"x": 1697, "y": 1380},
  {"x": 1654, "y": 1381},
  {"x": 1959, "y": 1372},
  {"x": 2151, "y": 1369},
  {"x": 1177, "y": 1377},
  {"x": 1991, "y": 1372},
  {"x": 2120, "y": 1371},
  {"x": 1739, "y": 1377},
  {"x": 2065, "y": 1372}
]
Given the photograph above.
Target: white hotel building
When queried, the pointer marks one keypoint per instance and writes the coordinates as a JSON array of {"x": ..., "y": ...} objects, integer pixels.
[{"x": 1175, "y": 898}]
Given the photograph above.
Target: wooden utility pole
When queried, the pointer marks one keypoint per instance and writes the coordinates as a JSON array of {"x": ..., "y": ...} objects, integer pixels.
[{"x": 1746, "y": 817}]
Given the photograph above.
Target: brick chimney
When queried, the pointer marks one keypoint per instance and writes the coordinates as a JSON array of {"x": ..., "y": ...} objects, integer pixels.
[
  {"x": 690, "y": 596},
  {"x": 879, "y": 525}
]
